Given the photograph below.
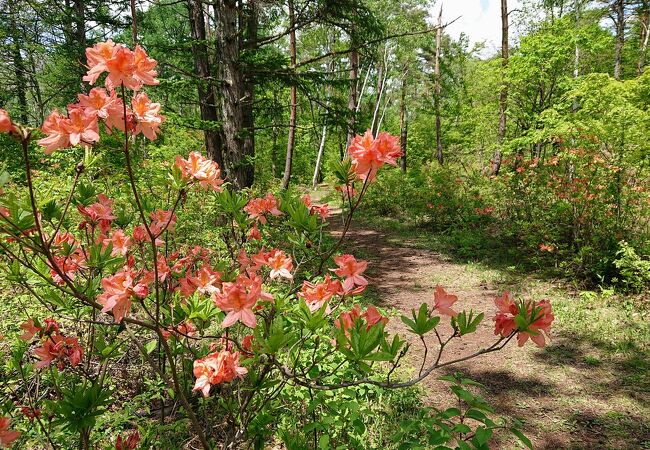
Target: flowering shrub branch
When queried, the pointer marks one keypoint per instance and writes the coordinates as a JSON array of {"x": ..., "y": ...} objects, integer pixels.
[{"x": 241, "y": 320}]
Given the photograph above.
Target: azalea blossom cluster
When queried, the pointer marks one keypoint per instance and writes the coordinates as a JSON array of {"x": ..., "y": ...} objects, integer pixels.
[
  {"x": 322, "y": 211},
  {"x": 217, "y": 368},
  {"x": 55, "y": 346},
  {"x": 368, "y": 153},
  {"x": 80, "y": 124},
  {"x": 537, "y": 318},
  {"x": 371, "y": 316},
  {"x": 201, "y": 170}
]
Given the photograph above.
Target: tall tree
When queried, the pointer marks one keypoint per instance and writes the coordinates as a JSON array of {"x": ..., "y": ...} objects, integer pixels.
[
  {"x": 503, "y": 96},
  {"x": 438, "y": 90},
  {"x": 618, "y": 8},
  {"x": 293, "y": 106},
  {"x": 205, "y": 87}
]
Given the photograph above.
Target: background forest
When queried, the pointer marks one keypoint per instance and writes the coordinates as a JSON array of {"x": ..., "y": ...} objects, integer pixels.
[{"x": 525, "y": 169}]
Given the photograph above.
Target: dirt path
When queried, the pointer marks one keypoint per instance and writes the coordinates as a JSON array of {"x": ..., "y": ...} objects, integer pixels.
[{"x": 563, "y": 401}]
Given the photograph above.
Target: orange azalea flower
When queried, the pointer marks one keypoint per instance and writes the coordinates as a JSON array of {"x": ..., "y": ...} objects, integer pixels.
[
  {"x": 201, "y": 169},
  {"x": 81, "y": 126},
  {"x": 206, "y": 280},
  {"x": 444, "y": 301},
  {"x": 7, "y": 436},
  {"x": 143, "y": 67},
  {"x": 238, "y": 300},
  {"x": 372, "y": 317},
  {"x": 55, "y": 126},
  {"x": 316, "y": 295},
  {"x": 119, "y": 289},
  {"x": 6, "y": 126},
  {"x": 541, "y": 325},
  {"x": 97, "y": 56},
  {"x": 147, "y": 114},
  {"x": 254, "y": 233},
  {"x": 505, "y": 323},
  {"x": 121, "y": 243},
  {"x": 369, "y": 154},
  {"x": 280, "y": 264},
  {"x": 351, "y": 270},
  {"x": 98, "y": 102},
  {"x": 61, "y": 349},
  {"x": 217, "y": 368},
  {"x": 258, "y": 207},
  {"x": 30, "y": 330}
]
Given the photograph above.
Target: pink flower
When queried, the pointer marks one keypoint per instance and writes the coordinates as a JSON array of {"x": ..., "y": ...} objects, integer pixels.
[
  {"x": 206, "y": 280},
  {"x": 205, "y": 171},
  {"x": 7, "y": 436},
  {"x": 316, "y": 295},
  {"x": 98, "y": 102},
  {"x": 30, "y": 330},
  {"x": 217, "y": 368},
  {"x": 257, "y": 208},
  {"x": 538, "y": 318},
  {"x": 162, "y": 221},
  {"x": 119, "y": 289},
  {"x": 280, "y": 264},
  {"x": 6, "y": 126},
  {"x": 121, "y": 243},
  {"x": 59, "y": 348},
  {"x": 147, "y": 115},
  {"x": 81, "y": 126},
  {"x": 238, "y": 300},
  {"x": 444, "y": 301},
  {"x": 254, "y": 233},
  {"x": 369, "y": 154},
  {"x": 58, "y": 136},
  {"x": 97, "y": 56},
  {"x": 372, "y": 317},
  {"x": 351, "y": 270}
]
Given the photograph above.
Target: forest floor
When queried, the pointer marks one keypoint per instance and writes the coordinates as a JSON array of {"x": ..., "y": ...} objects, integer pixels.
[{"x": 580, "y": 391}]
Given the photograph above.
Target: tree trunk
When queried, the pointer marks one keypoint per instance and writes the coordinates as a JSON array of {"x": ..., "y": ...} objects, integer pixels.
[
  {"x": 291, "y": 140},
  {"x": 80, "y": 39},
  {"x": 403, "y": 125},
  {"x": 381, "y": 82},
  {"x": 503, "y": 96},
  {"x": 354, "y": 74},
  {"x": 19, "y": 64},
  {"x": 619, "y": 11},
  {"x": 576, "y": 56},
  {"x": 438, "y": 90},
  {"x": 205, "y": 88},
  {"x": 249, "y": 45},
  {"x": 239, "y": 150},
  {"x": 644, "y": 23}
]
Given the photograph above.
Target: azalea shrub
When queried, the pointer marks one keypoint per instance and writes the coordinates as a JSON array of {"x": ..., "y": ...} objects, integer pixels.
[{"x": 222, "y": 334}]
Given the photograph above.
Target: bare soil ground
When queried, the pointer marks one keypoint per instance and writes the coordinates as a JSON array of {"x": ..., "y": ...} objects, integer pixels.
[{"x": 569, "y": 395}]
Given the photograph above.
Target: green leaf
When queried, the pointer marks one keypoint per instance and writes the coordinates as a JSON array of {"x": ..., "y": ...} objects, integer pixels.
[{"x": 522, "y": 438}]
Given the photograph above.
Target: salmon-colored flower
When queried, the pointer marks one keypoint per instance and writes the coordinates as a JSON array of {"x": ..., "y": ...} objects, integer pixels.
[
  {"x": 60, "y": 349},
  {"x": 540, "y": 325},
  {"x": 147, "y": 115},
  {"x": 280, "y": 264},
  {"x": 206, "y": 280},
  {"x": 254, "y": 233},
  {"x": 351, "y": 270},
  {"x": 217, "y": 368},
  {"x": 81, "y": 126},
  {"x": 30, "y": 330},
  {"x": 6, "y": 126},
  {"x": 143, "y": 67},
  {"x": 369, "y": 154},
  {"x": 98, "y": 102},
  {"x": 372, "y": 317},
  {"x": 119, "y": 290},
  {"x": 7, "y": 436},
  {"x": 205, "y": 171},
  {"x": 99, "y": 213},
  {"x": 316, "y": 295},
  {"x": 120, "y": 241},
  {"x": 444, "y": 301},
  {"x": 239, "y": 298},
  {"x": 538, "y": 318},
  {"x": 257, "y": 208},
  {"x": 162, "y": 221},
  {"x": 56, "y": 128},
  {"x": 97, "y": 56}
]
